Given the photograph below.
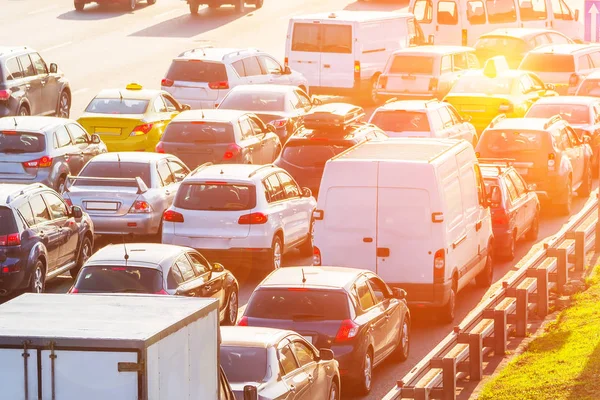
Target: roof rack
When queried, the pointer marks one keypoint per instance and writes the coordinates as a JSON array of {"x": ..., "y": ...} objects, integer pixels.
[
  {"x": 260, "y": 168},
  {"x": 496, "y": 162},
  {"x": 11, "y": 197},
  {"x": 199, "y": 167},
  {"x": 337, "y": 116},
  {"x": 552, "y": 120},
  {"x": 196, "y": 49},
  {"x": 431, "y": 102},
  {"x": 497, "y": 119},
  {"x": 238, "y": 52}
]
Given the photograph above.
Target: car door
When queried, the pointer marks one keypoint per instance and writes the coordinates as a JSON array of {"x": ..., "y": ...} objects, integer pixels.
[
  {"x": 213, "y": 284},
  {"x": 184, "y": 278},
  {"x": 578, "y": 152},
  {"x": 464, "y": 130},
  {"x": 46, "y": 230},
  {"x": 294, "y": 377},
  {"x": 253, "y": 71},
  {"x": 50, "y": 84},
  {"x": 391, "y": 309},
  {"x": 528, "y": 91},
  {"x": 515, "y": 211},
  {"x": 266, "y": 151},
  {"x": 66, "y": 150},
  {"x": 33, "y": 86},
  {"x": 302, "y": 106},
  {"x": 277, "y": 202},
  {"x": 450, "y": 130},
  {"x": 373, "y": 317},
  {"x": 67, "y": 228},
  {"x": 564, "y": 20},
  {"x": 297, "y": 216},
  {"x": 83, "y": 142},
  {"x": 446, "y": 23},
  {"x": 273, "y": 71},
  {"x": 168, "y": 184},
  {"x": 318, "y": 384},
  {"x": 249, "y": 142},
  {"x": 179, "y": 171},
  {"x": 173, "y": 106},
  {"x": 527, "y": 207}
]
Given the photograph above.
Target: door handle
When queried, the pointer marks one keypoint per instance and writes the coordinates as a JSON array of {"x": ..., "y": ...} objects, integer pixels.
[
  {"x": 310, "y": 378},
  {"x": 387, "y": 317},
  {"x": 207, "y": 287},
  {"x": 167, "y": 192},
  {"x": 43, "y": 82},
  {"x": 368, "y": 240},
  {"x": 192, "y": 294},
  {"x": 42, "y": 234},
  {"x": 27, "y": 87},
  {"x": 292, "y": 388},
  {"x": 459, "y": 241},
  {"x": 478, "y": 226},
  {"x": 326, "y": 65}
]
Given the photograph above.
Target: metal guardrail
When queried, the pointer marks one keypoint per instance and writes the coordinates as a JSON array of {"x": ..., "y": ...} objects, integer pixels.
[{"x": 486, "y": 328}]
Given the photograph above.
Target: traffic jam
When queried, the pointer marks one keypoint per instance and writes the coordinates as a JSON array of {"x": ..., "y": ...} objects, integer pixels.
[{"x": 400, "y": 155}]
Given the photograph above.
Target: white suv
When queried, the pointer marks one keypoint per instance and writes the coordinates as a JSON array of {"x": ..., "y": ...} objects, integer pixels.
[
  {"x": 423, "y": 118},
  {"x": 241, "y": 212},
  {"x": 202, "y": 77}
]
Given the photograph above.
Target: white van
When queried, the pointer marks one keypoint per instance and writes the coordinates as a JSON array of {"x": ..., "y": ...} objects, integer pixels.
[
  {"x": 414, "y": 211},
  {"x": 343, "y": 53},
  {"x": 463, "y": 22}
]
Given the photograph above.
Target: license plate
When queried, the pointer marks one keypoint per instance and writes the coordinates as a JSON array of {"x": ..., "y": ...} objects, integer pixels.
[
  {"x": 108, "y": 131},
  {"x": 309, "y": 339},
  {"x": 95, "y": 205}
]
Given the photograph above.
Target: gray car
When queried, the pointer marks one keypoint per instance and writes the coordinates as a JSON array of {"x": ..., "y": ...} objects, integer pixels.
[
  {"x": 127, "y": 192},
  {"x": 281, "y": 364},
  {"x": 44, "y": 149}
]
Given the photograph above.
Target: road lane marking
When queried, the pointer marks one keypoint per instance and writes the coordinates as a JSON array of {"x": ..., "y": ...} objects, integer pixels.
[
  {"x": 41, "y": 10},
  {"x": 58, "y": 46},
  {"x": 165, "y": 14}
]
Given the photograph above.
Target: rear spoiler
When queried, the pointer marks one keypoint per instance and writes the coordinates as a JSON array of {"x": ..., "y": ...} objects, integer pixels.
[{"x": 142, "y": 188}]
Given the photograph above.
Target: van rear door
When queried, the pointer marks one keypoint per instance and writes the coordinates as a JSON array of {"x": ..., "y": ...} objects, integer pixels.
[
  {"x": 337, "y": 55},
  {"x": 303, "y": 50}
]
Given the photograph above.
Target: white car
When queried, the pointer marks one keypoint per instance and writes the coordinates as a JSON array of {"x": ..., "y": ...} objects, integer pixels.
[
  {"x": 423, "y": 118},
  {"x": 203, "y": 76},
  {"x": 241, "y": 212}
]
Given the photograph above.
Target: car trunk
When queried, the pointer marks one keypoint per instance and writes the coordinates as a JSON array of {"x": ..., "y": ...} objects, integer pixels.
[
  {"x": 21, "y": 154},
  {"x": 410, "y": 73},
  {"x": 108, "y": 127},
  {"x": 12, "y": 166},
  {"x": 104, "y": 200},
  {"x": 118, "y": 279},
  {"x": 482, "y": 108},
  {"x": 191, "y": 80}
]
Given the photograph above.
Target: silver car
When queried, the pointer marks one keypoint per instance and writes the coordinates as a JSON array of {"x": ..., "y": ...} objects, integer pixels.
[
  {"x": 127, "y": 192},
  {"x": 281, "y": 364}
]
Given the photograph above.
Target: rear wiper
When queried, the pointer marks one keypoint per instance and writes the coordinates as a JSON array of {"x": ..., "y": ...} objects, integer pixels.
[{"x": 308, "y": 316}]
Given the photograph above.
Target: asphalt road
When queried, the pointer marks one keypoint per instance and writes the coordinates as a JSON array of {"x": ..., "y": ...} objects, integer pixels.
[{"x": 106, "y": 47}]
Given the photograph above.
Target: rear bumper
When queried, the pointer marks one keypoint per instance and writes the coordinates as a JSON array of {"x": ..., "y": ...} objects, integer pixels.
[
  {"x": 350, "y": 359},
  {"x": 254, "y": 241},
  {"x": 7, "y": 109},
  {"x": 388, "y": 94},
  {"x": 425, "y": 295},
  {"x": 139, "y": 224},
  {"x": 502, "y": 236},
  {"x": 200, "y": 104},
  {"x": 133, "y": 143},
  {"x": 13, "y": 281},
  {"x": 236, "y": 256}
]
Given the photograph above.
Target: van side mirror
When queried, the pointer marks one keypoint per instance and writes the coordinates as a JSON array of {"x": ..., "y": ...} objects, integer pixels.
[
  {"x": 218, "y": 267},
  {"x": 185, "y": 107},
  {"x": 306, "y": 192},
  {"x": 431, "y": 39},
  {"x": 287, "y": 70},
  {"x": 271, "y": 128},
  {"x": 316, "y": 101},
  {"x": 399, "y": 294},
  {"x": 96, "y": 139},
  {"x": 53, "y": 68},
  {"x": 76, "y": 212},
  {"x": 326, "y": 354},
  {"x": 532, "y": 187},
  {"x": 550, "y": 86},
  {"x": 250, "y": 392}
]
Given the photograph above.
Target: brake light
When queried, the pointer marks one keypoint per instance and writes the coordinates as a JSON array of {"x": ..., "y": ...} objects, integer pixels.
[
  {"x": 43, "y": 162},
  {"x": 573, "y": 80},
  {"x": 166, "y": 82},
  {"x": 505, "y": 108},
  {"x": 68, "y": 201},
  {"x": 500, "y": 217},
  {"x": 439, "y": 266},
  {"x": 297, "y": 289},
  {"x": 160, "y": 148},
  {"x": 73, "y": 290},
  {"x": 243, "y": 321},
  {"x": 551, "y": 161},
  {"x": 172, "y": 216},
  {"x": 279, "y": 123},
  {"x": 13, "y": 239},
  {"x": 285, "y": 62},
  {"x": 219, "y": 85},
  {"x": 11, "y": 269},
  {"x": 232, "y": 151},
  {"x": 5, "y": 94},
  {"x": 433, "y": 84},
  {"x": 141, "y": 130},
  {"x": 356, "y": 71},
  {"x": 348, "y": 329},
  {"x": 382, "y": 83},
  {"x": 140, "y": 207},
  {"x": 316, "y": 256},
  {"x": 162, "y": 291},
  {"x": 255, "y": 218}
]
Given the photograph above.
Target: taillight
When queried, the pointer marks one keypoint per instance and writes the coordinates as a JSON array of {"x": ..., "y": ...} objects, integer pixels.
[
  {"x": 166, "y": 82},
  {"x": 285, "y": 62},
  {"x": 232, "y": 151},
  {"x": 316, "y": 256},
  {"x": 140, "y": 207},
  {"x": 433, "y": 84},
  {"x": 243, "y": 321},
  {"x": 279, "y": 123},
  {"x": 439, "y": 266},
  {"x": 5, "y": 94},
  {"x": 506, "y": 108},
  {"x": 68, "y": 201},
  {"x": 141, "y": 130},
  {"x": 162, "y": 291},
  {"x": 356, "y": 71},
  {"x": 172, "y": 216},
  {"x": 13, "y": 239},
  {"x": 255, "y": 218},
  {"x": 348, "y": 329},
  {"x": 73, "y": 290},
  {"x": 551, "y": 162},
  {"x": 499, "y": 217},
  {"x": 219, "y": 85},
  {"x": 573, "y": 80},
  {"x": 160, "y": 148},
  {"x": 10, "y": 269},
  {"x": 43, "y": 162},
  {"x": 382, "y": 83}
]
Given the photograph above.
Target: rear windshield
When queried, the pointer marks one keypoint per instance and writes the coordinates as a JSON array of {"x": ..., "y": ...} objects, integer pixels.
[
  {"x": 21, "y": 142},
  {"x": 405, "y": 64},
  {"x": 506, "y": 142},
  {"x": 244, "y": 364},
  {"x": 298, "y": 304},
  {"x": 199, "y": 132},
  {"x": 325, "y": 38},
  {"x": 572, "y": 113},
  {"x": 548, "y": 63},
  {"x": 402, "y": 121},
  {"x": 117, "y": 106},
  {"x": 311, "y": 155},
  {"x": 500, "y": 44},
  {"x": 215, "y": 197},
  {"x": 7, "y": 222},
  {"x": 483, "y": 84},
  {"x": 197, "y": 71},
  {"x": 255, "y": 101},
  {"x": 113, "y": 279},
  {"x": 103, "y": 169},
  {"x": 589, "y": 87}
]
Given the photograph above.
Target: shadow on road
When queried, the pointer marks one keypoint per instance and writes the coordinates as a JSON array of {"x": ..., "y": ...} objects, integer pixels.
[{"x": 95, "y": 12}]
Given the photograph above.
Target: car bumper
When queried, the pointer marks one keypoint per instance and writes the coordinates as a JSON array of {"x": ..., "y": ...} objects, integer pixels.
[
  {"x": 389, "y": 94},
  {"x": 40, "y": 178},
  {"x": 133, "y": 143},
  {"x": 139, "y": 224},
  {"x": 425, "y": 295},
  {"x": 350, "y": 359},
  {"x": 235, "y": 256},
  {"x": 502, "y": 236},
  {"x": 8, "y": 109},
  {"x": 13, "y": 281},
  {"x": 200, "y": 104},
  {"x": 253, "y": 241}
]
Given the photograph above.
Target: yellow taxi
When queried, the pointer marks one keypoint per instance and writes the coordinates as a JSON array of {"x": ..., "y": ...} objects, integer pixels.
[
  {"x": 481, "y": 95},
  {"x": 130, "y": 119}
]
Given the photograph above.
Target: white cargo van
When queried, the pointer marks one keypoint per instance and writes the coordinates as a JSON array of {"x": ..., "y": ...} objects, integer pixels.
[
  {"x": 414, "y": 211},
  {"x": 343, "y": 52}
]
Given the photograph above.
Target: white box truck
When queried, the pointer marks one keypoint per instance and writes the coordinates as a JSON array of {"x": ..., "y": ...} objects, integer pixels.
[{"x": 109, "y": 347}]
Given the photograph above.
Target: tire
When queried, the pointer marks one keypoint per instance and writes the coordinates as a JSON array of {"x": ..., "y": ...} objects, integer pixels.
[
  {"x": 258, "y": 4},
  {"x": 586, "y": 185},
  {"x": 449, "y": 309},
  {"x": 194, "y": 8},
  {"x": 231, "y": 313},
  {"x": 534, "y": 229},
  {"x": 84, "y": 254},
  {"x": 63, "y": 109},
  {"x": 403, "y": 348},
  {"x": 508, "y": 253},
  {"x": 366, "y": 380},
  {"x": 240, "y": 6},
  {"x": 213, "y": 5},
  {"x": 334, "y": 391},
  {"x": 60, "y": 185},
  {"x": 38, "y": 278},
  {"x": 565, "y": 208},
  {"x": 79, "y": 6},
  {"x": 486, "y": 276},
  {"x": 151, "y": 2},
  {"x": 23, "y": 111},
  {"x": 131, "y": 5},
  {"x": 370, "y": 95},
  {"x": 306, "y": 248},
  {"x": 276, "y": 254}
]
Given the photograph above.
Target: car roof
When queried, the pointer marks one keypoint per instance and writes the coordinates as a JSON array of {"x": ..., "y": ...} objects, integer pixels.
[
  {"x": 316, "y": 277},
  {"x": 410, "y": 105},
  {"x": 130, "y": 156},
  {"x": 212, "y": 53},
  {"x": 435, "y": 49},
  {"x": 352, "y": 16},
  {"x": 517, "y": 32},
  {"x": 593, "y": 75},
  {"x": 563, "y": 48},
  {"x": 212, "y": 115},
  {"x": 580, "y": 100},
  {"x": 9, "y": 190},
  {"x": 6, "y": 51},
  {"x": 536, "y": 124},
  {"x": 145, "y": 254},
  {"x": 32, "y": 123},
  {"x": 227, "y": 172},
  {"x": 263, "y": 88},
  {"x": 136, "y": 94},
  {"x": 251, "y": 336}
]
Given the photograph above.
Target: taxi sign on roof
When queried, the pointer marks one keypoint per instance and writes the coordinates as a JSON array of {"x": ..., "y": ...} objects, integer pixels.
[{"x": 134, "y": 86}]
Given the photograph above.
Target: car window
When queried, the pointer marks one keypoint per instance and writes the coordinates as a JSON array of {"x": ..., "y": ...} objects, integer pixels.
[
  {"x": 460, "y": 62},
  {"x": 239, "y": 68},
  {"x": 526, "y": 84},
  {"x": 80, "y": 136},
  {"x": 446, "y": 118},
  {"x": 365, "y": 297},
  {"x": 251, "y": 66},
  {"x": 561, "y": 10},
  {"x": 584, "y": 62},
  {"x": 541, "y": 40},
  {"x": 28, "y": 68},
  {"x": 305, "y": 101},
  {"x": 336, "y": 38},
  {"x": 303, "y": 353},
  {"x": 61, "y": 137},
  {"x": 447, "y": 13},
  {"x": 379, "y": 288},
  {"x": 274, "y": 189},
  {"x": 185, "y": 267},
  {"x": 171, "y": 103},
  {"x": 256, "y": 126},
  {"x": 518, "y": 182},
  {"x": 436, "y": 121},
  {"x": 560, "y": 39},
  {"x": 117, "y": 106},
  {"x": 26, "y": 213},
  {"x": 537, "y": 82},
  {"x": 501, "y": 11},
  {"x": 565, "y": 140},
  {"x": 287, "y": 360},
  {"x": 40, "y": 211},
  {"x": 38, "y": 64},
  {"x": 532, "y": 10},
  {"x": 111, "y": 169},
  {"x": 215, "y": 196},
  {"x": 512, "y": 190},
  {"x": 472, "y": 61},
  {"x": 446, "y": 64},
  {"x": 192, "y": 71},
  {"x": 572, "y": 136},
  {"x": 178, "y": 170},
  {"x": 14, "y": 70},
  {"x": 289, "y": 186},
  {"x": 269, "y": 66},
  {"x": 246, "y": 128},
  {"x": 57, "y": 207},
  {"x": 158, "y": 105},
  {"x": 165, "y": 173},
  {"x": 455, "y": 115},
  {"x": 199, "y": 264},
  {"x": 174, "y": 278},
  {"x": 476, "y": 12},
  {"x": 423, "y": 11}
]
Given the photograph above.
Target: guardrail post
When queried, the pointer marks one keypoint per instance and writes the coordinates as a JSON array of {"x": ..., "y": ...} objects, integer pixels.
[
  {"x": 542, "y": 291},
  {"x": 579, "y": 251},
  {"x": 421, "y": 393},
  {"x": 522, "y": 311},
  {"x": 597, "y": 239},
  {"x": 562, "y": 268},
  {"x": 475, "y": 356},
  {"x": 500, "y": 334},
  {"x": 449, "y": 378}
]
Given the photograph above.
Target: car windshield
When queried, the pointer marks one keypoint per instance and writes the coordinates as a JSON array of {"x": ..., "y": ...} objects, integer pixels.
[
  {"x": 503, "y": 142},
  {"x": 295, "y": 304},
  {"x": 14, "y": 142},
  {"x": 117, "y": 106},
  {"x": 542, "y": 62},
  {"x": 254, "y": 101},
  {"x": 401, "y": 121},
  {"x": 199, "y": 132},
  {"x": 589, "y": 87},
  {"x": 7, "y": 223},
  {"x": 215, "y": 196},
  {"x": 197, "y": 71},
  {"x": 412, "y": 64},
  {"x": 119, "y": 279},
  {"x": 572, "y": 113},
  {"x": 311, "y": 154},
  {"x": 483, "y": 84},
  {"x": 244, "y": 364},
  {"x": 114, "y": 169}
]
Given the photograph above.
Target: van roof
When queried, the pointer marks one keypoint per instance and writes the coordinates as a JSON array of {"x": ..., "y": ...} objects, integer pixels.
[
  {"x": 352, "y": 16},
  {"x": 517, "y": 32},
  {"x": 400, "y": 149},
  {"x": 439, "y": 49},
  {"x": 564, "y": 48}
]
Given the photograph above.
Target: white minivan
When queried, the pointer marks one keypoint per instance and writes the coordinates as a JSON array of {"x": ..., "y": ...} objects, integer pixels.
[
  {"x": 412, "y": 210},
  {"x": 463, "y": 22},
  {"x": 344, "y": 52}
]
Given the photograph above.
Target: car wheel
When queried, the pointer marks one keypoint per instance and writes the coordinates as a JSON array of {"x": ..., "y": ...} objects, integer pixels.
[
  {"x": 371, "y": 92},
  {"x": 258, "y": 3},
  {"x": 131, "y": 5},
  {"x": 534, "y": 229},
  {"x": 194, "y": 8},
  {"x": 306, "y": 248},
  {"x": 449, "y": 309},
  {"x": 64, "y": 105},
  {"x": 84, "y": 254},
  {"x": 403, "y": 348},
  {"x": 239, "y": 6},
  {"x": 23, "y": 111},
  {"x": 508, "y": 253},
  {"x": 60, "y": 185},
  {"x": 79, "y": 6},
  {"x": 366, "y": 380},
  {"x": 232, "y": 308},
  {"x": 565, "y": 208},
  {"x": 38, "y": 278},
  {"x": 334, "y": 392},
  {"x": 586, "y": 185},
  {"x": 276, "y": 255},
  {"x": 486, "y": 276}
]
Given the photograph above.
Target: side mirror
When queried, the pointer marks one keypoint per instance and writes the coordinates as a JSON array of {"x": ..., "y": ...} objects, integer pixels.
[
  {"x": 250, "y": 392},
  {"x": 76, "y": 212},
  {"x": 179, "y": 177},
  {"x": 271, "y": 128},
  {"x": 287, "y": 70},
  {"x": 326, "y": 354},
  {"x": 96, "y": 139},
  {"x": 467, "y": 118},
  {"x": 550, "y": 86},
  {"x": 53, "y": 68},
  {"x": 587, "y": 139},
  {"x": 316, "y": 101},
  {"x": 532, "y": 187},
  {"x": 185, "y": 107},
  {"x": 576, "y": 15},
  {"x": 399, "y": 294},
  {"x": 306, "y": 192},
  {"x": 218, "y": 267}
]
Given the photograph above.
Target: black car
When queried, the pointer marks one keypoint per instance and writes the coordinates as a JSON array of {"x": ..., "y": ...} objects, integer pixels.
[
  {"x": 328, "y": 130},
  {"x": 350, "y": 311},
  {"x": 41, "y": 237},
  {"x": 28, "y": 86}
]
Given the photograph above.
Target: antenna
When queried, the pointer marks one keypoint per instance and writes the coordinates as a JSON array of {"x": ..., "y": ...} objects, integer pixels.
[
  {"x": 202, "y": 110},
  {"x": 303, "y": 277},
  {"x": 120, "y": 173},
  {"x": 15, "y": 121},
  {"x": 121, "y": 96},
  {"x": 126, "y": 256}
]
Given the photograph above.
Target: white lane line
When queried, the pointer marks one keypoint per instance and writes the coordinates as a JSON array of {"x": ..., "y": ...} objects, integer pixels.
[
  {"x": 165, "y": 14},
  {"x": 79, "y": 91},
  {"x": 41, "y": 10},
  {"x": 58, "y": 46}
]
